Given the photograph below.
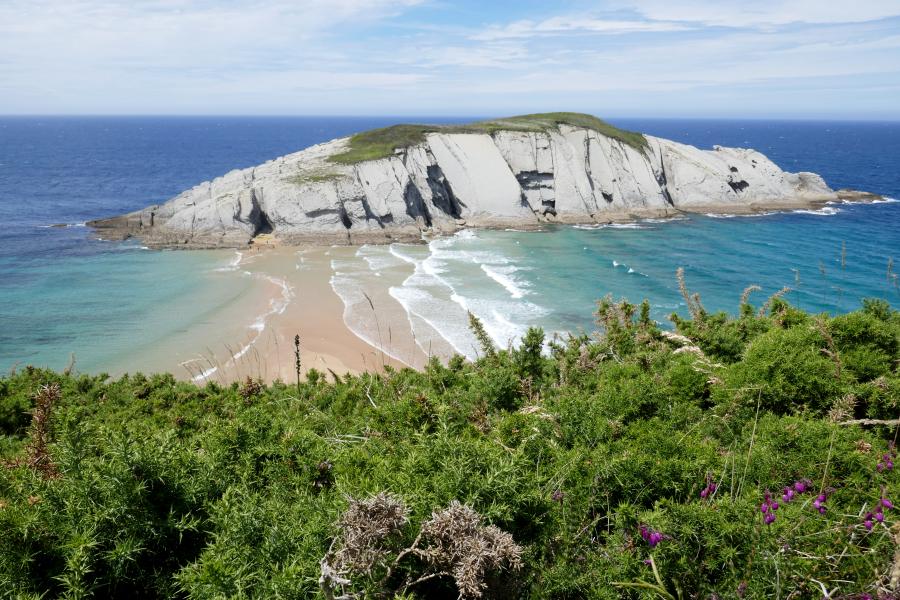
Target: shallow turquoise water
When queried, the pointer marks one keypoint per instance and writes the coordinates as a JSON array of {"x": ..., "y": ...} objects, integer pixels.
[
  {"x": 61, "y": 292},
  {"x": 511, "y": 280}
]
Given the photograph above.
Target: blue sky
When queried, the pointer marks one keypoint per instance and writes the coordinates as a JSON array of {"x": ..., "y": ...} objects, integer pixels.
[{"x": 667, "y": 58}]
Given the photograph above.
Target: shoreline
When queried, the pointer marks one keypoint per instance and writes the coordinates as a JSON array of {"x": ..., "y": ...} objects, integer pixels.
[
  {"x": 301, "y": 302},
  {"x": 415, "y": 235},
  {"x": 344, "y": 326}
]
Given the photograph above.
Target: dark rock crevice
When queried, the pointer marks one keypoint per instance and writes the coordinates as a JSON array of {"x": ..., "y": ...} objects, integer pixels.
[
  {"x": 441, "y": 191},
  {"x": 663, "y": 180},
  {"x": 257, "y": 218},
  {"x": 415, "y": 204},
  {"x": 738, "y": 186}
]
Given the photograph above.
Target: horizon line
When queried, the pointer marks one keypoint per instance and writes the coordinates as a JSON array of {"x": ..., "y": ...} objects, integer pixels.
[{"x": 836, "y": 118}]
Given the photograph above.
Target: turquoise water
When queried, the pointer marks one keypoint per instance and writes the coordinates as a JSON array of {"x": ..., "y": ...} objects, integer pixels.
[
  {"x": 105, "y": 307},
  {"x": 62, "y": 292},
  {"x": 831, "y": 258}
]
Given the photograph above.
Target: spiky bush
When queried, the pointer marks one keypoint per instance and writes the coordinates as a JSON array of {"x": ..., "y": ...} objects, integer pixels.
[{"x": 640, "y": 463}]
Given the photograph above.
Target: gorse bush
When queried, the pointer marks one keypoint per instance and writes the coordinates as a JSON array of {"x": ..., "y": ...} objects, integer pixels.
[{"x": 744, "y": 457}]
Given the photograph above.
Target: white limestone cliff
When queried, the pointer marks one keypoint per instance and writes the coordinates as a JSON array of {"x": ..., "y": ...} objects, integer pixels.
[{"x": 450, "y": 180}]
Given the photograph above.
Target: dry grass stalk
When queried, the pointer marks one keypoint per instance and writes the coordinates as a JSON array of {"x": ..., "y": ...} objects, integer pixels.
[
  {"x": 831, "y": 350},
  {"x": 765, "y": 307},
  {"x": 692, "y": 300},
  {"x": 861, "y": 422},
  {"x": 745, "y": 295},
  {"x": 895, "y": 565},
  {"x": 40, "y": 434},
  {"x": 297, "y": 364}
]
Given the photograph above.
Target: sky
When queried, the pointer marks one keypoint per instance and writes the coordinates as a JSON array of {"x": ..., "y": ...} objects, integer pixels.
[{"x": 616, "y": 58}]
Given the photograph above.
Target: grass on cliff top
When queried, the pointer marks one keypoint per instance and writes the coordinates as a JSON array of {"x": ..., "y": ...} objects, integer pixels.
[{"x": 381, "y": 143}]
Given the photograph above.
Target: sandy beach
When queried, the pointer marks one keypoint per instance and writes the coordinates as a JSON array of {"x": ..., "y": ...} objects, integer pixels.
[{"x": 293, "y": 295}]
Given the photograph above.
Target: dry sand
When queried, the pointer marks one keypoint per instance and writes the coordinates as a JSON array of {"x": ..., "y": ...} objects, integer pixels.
[{"x": 307, "y": 307}]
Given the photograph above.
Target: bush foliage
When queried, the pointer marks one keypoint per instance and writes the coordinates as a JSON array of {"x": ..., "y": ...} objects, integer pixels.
[{"x": 639, "y": 463}]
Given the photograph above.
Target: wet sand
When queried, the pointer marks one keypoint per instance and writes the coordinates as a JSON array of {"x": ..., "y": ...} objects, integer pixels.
[{"x": 299, "y": 300}]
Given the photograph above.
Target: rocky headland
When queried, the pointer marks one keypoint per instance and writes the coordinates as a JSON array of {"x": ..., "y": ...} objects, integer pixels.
[{"x": 400, "y": 182}]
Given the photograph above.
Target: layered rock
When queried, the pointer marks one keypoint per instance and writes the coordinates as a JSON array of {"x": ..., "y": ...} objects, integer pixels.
[{"x": 450, "y": 180}]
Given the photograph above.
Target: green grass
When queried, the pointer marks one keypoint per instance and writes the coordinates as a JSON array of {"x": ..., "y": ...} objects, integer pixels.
[
  {"x": 381, "y": 143},
  {"x": 148, "y": 487},
  {"x": 313, "y": 177}
]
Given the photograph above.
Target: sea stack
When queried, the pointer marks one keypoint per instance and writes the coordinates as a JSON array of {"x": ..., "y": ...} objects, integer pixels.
[{"x": 402, "y": 182}]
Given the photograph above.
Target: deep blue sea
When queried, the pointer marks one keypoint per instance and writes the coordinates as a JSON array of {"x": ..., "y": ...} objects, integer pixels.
[{"x": 62, "y": 292}]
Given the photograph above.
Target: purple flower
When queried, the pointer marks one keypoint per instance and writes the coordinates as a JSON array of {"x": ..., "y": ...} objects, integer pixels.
[
  {"x": 768, "y": 508},
  {"x": 557, "y": 496},
  {"x": 651, "y": 536},
  {"x": 879, "y": 516},
  {"x": 801, "y": 485},
  {"x": 709, "y": 490},
  {"x": 887, "y": 503},
  {"x": 887, "y": 459},
  {"x": 741, "y": 589},
  {"x": 868, "y": 522},
  {"x": 819, "y": 503},
  {"x": 788, "y": 495}
]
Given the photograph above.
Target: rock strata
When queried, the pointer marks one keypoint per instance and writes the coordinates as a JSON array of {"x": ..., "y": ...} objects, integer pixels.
[{"x": 449, "y": 180}]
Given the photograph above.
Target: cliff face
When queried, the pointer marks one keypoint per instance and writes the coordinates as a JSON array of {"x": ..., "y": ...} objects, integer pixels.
[{"x": 504, "y": 178}]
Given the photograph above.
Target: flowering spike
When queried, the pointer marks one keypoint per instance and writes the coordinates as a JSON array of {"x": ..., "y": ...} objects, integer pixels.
[{"x": 651, "y": 536}]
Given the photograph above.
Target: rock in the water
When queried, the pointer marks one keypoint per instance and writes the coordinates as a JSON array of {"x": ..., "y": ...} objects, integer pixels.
[{"x": 498, "y": 178}]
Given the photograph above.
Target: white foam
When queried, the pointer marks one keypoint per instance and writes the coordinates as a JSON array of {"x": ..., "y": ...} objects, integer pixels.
[
  {"x": 451, "y": 328},
  {"x": 63, "y": 225},
  {"x": 436, "y": 310},
  {"x": 357, "y": 312},
  {"x": 203, "y": 374},
  {"x": 277, "y": 306},
  {"x": 664, "y": 220},
  {"x": 379, "y": 257},
  {"x": 611, "y": 226},
  {"x": 754, "y": 215},
  {"x": 503, "y": 276},
  {"x": 233, "y": 264},
  {"x": 825, "y": 211}
]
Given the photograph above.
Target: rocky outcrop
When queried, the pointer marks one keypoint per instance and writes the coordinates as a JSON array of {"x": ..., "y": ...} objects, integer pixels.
[{"x": 451, "y": 180}]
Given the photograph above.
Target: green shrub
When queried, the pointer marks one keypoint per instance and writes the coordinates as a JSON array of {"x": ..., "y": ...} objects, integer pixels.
[
  {"x": 785, "y": 370},
  {"x": 161, "y": 488}
]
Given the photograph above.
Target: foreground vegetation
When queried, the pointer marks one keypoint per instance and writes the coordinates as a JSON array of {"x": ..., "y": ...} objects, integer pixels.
[
  {"x": 747, "y": 457},
  {"x": 381, "y": 143}
]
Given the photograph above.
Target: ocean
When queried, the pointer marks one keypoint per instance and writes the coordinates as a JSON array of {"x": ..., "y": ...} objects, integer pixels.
[{"x": 64, "y": 293}]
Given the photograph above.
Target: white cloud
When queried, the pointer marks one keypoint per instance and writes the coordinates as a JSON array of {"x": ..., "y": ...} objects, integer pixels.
[
  {"x": 359, "y": 56},
  {"x": 750, "y": 13},
  {"x": 575, "y": 24}
]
